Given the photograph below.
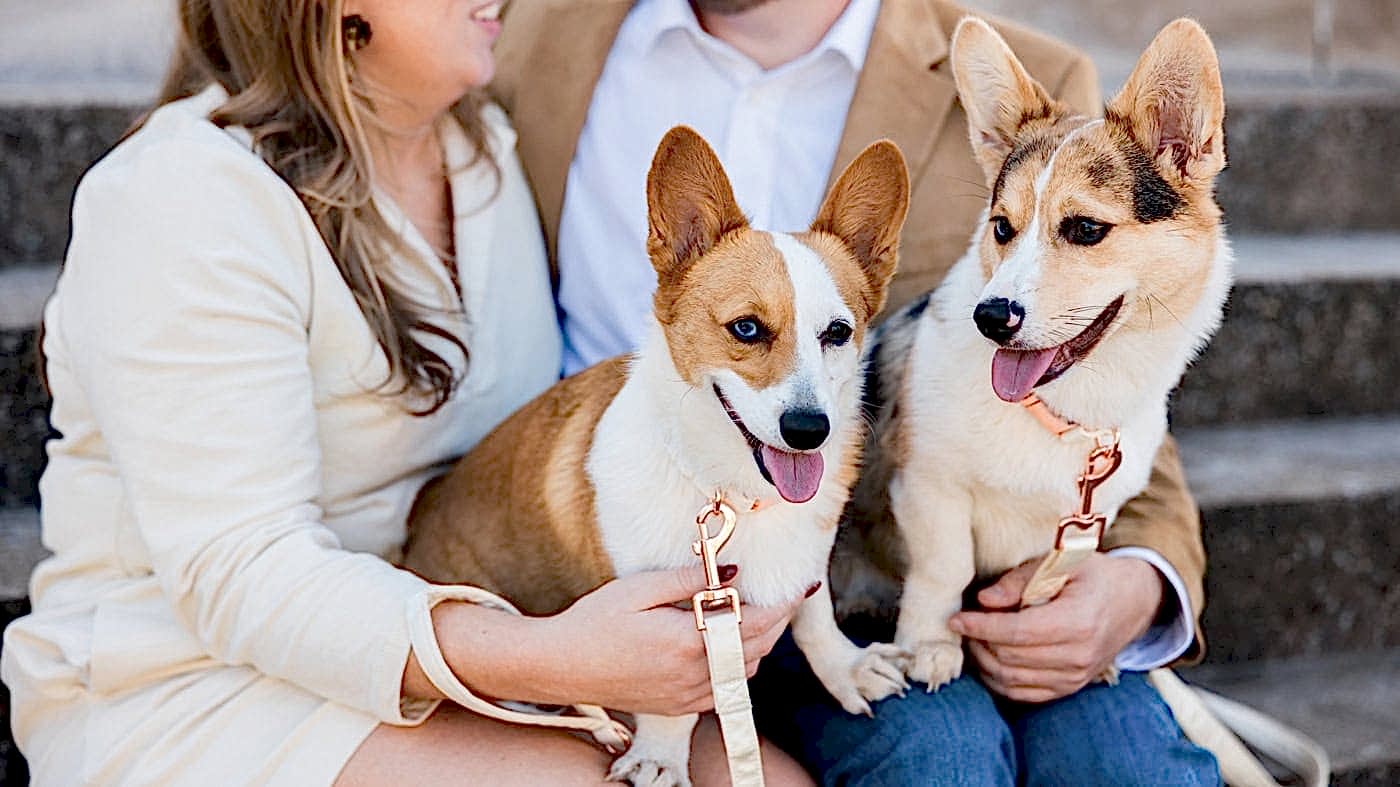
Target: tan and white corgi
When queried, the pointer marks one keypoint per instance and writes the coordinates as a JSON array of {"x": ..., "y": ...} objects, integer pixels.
[
  {"x": 749, "y": 384},
  {"x": 1099, "y": 270}
]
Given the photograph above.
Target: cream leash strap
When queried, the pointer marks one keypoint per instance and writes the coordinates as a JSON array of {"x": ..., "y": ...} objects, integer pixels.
[
  {"x": 724, "y": 649},
  {"x": 607, "y": 731}
]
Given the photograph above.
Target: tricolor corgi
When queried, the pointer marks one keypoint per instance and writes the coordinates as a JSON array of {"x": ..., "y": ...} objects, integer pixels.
[
  {"x": 1098, "y": 271},
  {"x": 748, "y": 385}
]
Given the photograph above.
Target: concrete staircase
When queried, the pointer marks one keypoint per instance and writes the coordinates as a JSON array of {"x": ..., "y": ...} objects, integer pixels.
[{"x": 1289, "y": 425}]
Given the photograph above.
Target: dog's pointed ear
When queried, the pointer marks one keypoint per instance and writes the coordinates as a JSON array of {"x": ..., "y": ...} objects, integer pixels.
[
  {"x": 866, "y": 210},
  {"x": 690, "y": 204},
  {"x": 997, "y": 94},
  {"x": 1174, "y": 105}
]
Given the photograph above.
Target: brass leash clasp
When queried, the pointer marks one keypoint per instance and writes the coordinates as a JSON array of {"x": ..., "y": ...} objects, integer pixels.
[
  {"x": 715, "y": 594},
  {"x": 1103, "y": 461}
]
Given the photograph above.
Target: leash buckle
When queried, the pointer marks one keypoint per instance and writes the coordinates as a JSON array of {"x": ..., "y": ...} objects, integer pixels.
[
  {"x": 715, "y": 595},
  {"x": 1094, "y": 523}
]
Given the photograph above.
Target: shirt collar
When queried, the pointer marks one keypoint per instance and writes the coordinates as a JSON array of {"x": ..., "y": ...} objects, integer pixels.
[{"x": 849, "y": 36}]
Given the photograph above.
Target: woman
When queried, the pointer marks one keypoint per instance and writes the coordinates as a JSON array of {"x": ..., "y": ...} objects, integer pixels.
[{"x": 310, "y": 278}]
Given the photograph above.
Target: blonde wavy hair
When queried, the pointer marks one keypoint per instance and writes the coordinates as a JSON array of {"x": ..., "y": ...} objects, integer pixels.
[{"x": 291, "y": 83}]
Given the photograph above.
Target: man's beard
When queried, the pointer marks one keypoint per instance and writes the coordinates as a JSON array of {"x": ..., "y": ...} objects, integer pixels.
[{"x": 725, "y": 7}]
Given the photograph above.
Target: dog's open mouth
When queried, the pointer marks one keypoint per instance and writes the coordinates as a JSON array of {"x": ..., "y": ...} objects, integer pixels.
[
  {"x": 1016, "y": 372},
  {"x": 796, "y": 476}
]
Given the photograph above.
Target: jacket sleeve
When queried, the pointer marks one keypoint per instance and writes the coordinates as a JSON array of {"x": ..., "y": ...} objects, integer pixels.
[
  {"x": 1164, "y": 518},
  {"x": 189, "y": 288},
  {"x": 1079, "y": 87}
]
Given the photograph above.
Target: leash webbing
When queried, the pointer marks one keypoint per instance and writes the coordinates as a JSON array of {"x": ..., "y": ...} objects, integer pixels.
[
  {"x": 724, "y": 649},
  {"x": 1080, "y": 534}
]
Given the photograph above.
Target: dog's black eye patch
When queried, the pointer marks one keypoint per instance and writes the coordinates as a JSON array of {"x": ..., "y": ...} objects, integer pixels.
[
  {"x": 749, "y": 330},
  {"x": 836, "y": 334},
  {"x": 1083, "y": 231},
  {"x": 1002, "y": 230}
]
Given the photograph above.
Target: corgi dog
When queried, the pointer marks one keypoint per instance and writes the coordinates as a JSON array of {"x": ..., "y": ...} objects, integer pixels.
[
  {"x": 749, "y": 385},
  {"x": 1099, "y": 270}
]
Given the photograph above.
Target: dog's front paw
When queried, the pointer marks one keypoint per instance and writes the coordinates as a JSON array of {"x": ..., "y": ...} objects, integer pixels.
[
  {"x": 864, "y": 675},
  {"x": 879, "y": 672},
  {"x": 641, "y": 769},
  {"x": 935, "y": 663}
]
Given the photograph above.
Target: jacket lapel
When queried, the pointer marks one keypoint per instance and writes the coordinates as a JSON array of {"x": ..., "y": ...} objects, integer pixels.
[
  {"x": 905, "y": 90},
  {"x": 552, "y": 101}
]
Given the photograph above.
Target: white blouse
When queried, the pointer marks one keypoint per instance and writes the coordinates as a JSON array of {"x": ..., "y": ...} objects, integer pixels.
[{"x": 228, "y": 484}]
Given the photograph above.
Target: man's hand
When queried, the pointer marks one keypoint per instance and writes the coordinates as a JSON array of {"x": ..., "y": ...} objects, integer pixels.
[{"x": 1051, "y": 651}]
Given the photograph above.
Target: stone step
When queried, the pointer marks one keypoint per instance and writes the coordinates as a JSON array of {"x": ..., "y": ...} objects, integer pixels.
[
  {"x": 1344, "y": 135},
  {"x": 1251, "y": 35},
  {"x": 1347, "y": 702},
  {"x": 1300, "y": 528},
  {"x": 1308, "y": 332},
  {"x": 20, "y": 550}
]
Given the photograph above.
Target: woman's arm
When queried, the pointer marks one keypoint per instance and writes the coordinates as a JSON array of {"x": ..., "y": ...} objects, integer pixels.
[
  {"x": 623, "y": 646},
  {"x": 186, "y": 308}
]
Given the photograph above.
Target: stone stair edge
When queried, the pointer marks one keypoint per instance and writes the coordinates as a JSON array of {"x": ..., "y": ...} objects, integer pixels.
[{"x": 1292, "y": 461}]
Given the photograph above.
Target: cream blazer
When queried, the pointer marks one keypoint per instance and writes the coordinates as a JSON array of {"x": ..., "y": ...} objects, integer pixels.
[{"x": 229, "y": 488}]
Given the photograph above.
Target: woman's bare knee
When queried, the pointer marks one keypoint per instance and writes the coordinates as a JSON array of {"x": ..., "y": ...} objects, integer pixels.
[
  {"x": 710, "y": 768},
  {"x": 457, "y": 747}
]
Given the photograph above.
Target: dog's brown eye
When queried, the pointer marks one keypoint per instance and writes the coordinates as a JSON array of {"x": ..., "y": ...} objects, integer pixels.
[
  {"x": 1002, "y": 230},
  {"x": 748, "y": 330},
  {"x": 836, "y": 334},
  {"x": 1082, "y": 231}
]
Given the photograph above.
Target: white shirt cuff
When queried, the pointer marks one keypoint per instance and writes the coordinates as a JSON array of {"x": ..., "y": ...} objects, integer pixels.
[{"x": 1162, "y": 643}]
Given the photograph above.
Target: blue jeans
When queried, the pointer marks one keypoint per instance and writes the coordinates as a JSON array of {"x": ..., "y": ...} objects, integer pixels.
[{"x": 962, "y": 735}]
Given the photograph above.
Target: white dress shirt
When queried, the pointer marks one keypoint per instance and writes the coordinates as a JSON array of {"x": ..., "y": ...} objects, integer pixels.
[{"x": 776, "y": 132}]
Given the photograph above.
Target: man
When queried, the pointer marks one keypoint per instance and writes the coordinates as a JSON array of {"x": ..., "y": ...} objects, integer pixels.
[{"x": 788, "y": 91}]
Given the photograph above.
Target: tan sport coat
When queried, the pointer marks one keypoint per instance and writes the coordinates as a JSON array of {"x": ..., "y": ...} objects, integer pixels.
[{"x": 551, "y": 53}]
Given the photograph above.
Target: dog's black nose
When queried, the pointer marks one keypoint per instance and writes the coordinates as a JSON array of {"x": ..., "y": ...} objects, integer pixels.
[
  {"x": 998, "y": 319},
  {"x": 804, "y": 430}
]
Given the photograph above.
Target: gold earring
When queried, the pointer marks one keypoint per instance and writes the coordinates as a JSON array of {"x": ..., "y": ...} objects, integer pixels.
[{"x": 357, "y": 32}]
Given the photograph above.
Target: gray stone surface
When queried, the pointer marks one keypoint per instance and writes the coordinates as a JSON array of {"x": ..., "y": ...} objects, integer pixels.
[
  {"x": 1292, "y": 461},
  {"x": 81, "y": 51},
  {"x": 1302, "y": 579},
  {"x": 1349, "y": 703},
  {"x": 1253, "y": 36},
  {"x": 43, "y": 152},
  {"x": 14, "y": 771},
  {"x": 20, "y": 550},
  {"x": 1318, "y": 162},
  {"x": 23, "y": 291},
  {"x": 1319, "y": 257},
  {"x": 1295, "y": 350},
  {"x": 23, "y": 419}
]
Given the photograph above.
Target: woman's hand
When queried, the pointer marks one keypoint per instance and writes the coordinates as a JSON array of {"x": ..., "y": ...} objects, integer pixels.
[{"x": 623, "y": 646}]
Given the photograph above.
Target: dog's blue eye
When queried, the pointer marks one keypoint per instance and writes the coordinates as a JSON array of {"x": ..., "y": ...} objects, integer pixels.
[
  {"x": 836, "y": 334},
  {"x": 1002, "y": 230},
  {"x": 1082, "y": 231},
  {"x": 748, "y": 330}
]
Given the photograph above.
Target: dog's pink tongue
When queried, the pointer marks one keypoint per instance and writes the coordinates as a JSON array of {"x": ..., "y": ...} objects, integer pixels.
[
  {"x": 796, "y": 476},
  {"x": 1015, "y": 372}
]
